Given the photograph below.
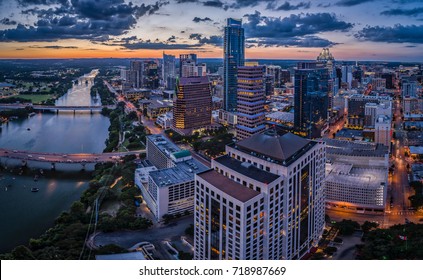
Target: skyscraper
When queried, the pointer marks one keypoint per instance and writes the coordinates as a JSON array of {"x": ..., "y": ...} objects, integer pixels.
[
  {"x": 135, "y": 76},
  {"x": 186, "y": 58},
  {"x": 169, "y": 73},
  {"x": 311, "y": 101},
  {"x": 251, "y": 98},
  {"x": 193, "y": 105},
  {"x": 264, "y": 200},
  {"x": 233, "y": 51}
]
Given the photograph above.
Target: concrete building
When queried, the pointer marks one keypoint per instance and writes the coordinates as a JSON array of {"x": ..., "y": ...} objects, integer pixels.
[
  {"x": 408, "y": 88},
  {"x": 251, "y": 98},
  {"x": 263, "y": 200},
  {"x": 168, "y": 186},
  {"x": 383, "y": 130},
  {"x": 356, "y": 175},
  {"x": 356, "y": 104}
]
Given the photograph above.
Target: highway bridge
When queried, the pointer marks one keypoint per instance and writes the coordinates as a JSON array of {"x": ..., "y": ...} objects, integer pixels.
[
  {"x": 55, "y": 108},
  {"x": 53, "y": 158}
]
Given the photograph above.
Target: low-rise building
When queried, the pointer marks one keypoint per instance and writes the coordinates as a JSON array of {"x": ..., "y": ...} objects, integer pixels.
[
  {"x": 356, "y": 175},
  {"x": 168, "y": 186}
]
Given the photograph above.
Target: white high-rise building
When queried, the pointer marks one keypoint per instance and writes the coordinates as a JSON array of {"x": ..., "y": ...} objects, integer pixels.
[{"x": 263, "y": 200}]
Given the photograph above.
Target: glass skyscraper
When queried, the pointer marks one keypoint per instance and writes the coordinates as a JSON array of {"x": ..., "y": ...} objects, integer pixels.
[
  {"x": 311, "y": 101},
  {"x": 233, "y": 57}
]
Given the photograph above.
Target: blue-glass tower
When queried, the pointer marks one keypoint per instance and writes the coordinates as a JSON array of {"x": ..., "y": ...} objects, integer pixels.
[{"x": 233, "y": 57}]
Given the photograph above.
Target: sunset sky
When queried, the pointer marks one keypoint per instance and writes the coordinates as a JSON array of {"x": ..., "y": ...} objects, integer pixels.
[{"x": 354, "y": 29}]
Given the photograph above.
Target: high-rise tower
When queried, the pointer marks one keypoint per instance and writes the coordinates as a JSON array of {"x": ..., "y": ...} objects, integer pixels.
[
  {"x": 251, "y": 98},
  {"x": 234, "y": 57}
]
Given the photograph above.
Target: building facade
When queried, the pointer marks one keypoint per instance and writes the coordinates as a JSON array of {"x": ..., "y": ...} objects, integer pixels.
[
  {"x": 264, "y": 200},
  {"x": 193, "y": 104},
  {"x": 311, "y": 102},
  {"x": 169, "y": 71},
  {"x": 251, "y": 99}
]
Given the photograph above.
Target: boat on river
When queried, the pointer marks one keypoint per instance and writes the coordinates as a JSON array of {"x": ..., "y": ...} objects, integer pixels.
[{"x": 35, "y": 189}]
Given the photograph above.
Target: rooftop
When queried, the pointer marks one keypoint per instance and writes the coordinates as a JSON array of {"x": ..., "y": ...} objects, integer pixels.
[
  {"x": 275, "y": 147},
  {"x": 247, "y": 169},
  {"x": 348, "y": 148},
  {"x": 193, "y": 80},
  {"x": 363, "y": 177},
  {"x": 228, "y": 186},
  {"x": 163, "y": 144},
  {"x": 182, "y": 172}
]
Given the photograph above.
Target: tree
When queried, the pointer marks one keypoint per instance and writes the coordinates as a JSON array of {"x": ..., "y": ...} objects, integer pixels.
[
  {"x": 347, "y": 227},
  {"x": 367, "y": 226},
  {"x": 22, "y": 253}
]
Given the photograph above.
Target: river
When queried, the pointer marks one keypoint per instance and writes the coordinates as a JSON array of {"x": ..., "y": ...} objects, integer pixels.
[{"x": 25, "y": 214}]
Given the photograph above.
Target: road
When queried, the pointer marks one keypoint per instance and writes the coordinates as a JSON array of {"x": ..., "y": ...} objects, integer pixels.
[
  {"x": 155, "y": 235},
  {"x": 399, "y": 188}
]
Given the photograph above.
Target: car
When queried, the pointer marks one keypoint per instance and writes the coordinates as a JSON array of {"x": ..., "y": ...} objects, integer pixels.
[
  {"x": 41, "y": 158},
  {"x": 69, "y": 160},
  {"x": 30, "y": 156}
]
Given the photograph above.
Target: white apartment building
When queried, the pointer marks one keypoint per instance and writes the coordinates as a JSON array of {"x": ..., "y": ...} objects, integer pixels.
[{"x": 286, "y": 174}]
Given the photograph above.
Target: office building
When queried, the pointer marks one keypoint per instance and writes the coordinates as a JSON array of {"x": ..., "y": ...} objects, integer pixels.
[
  {"x": 383, "y": 130},
  {"x": 135, "y": 75},
  {"x": 193, "y": 104},
  {"x": 233, "y": 51},
  {"x": 356, "y": 108},
  {"x": 168, "y": 186},
  {"x": 408, "y": 89},
  {"x": 347, "y": 76},
  {"x": 251, "y": 98},
  {"x": 311, "y": 101},
  {"x": 169, "y": 72},
  {"x": 186, "y": 58},
  {"x": 263, "y": 200},
  {"x": 356, "y": 175}
]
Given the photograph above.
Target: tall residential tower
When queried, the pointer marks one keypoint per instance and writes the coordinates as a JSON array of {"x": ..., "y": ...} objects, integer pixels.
[{"x": 233, "y": 49}]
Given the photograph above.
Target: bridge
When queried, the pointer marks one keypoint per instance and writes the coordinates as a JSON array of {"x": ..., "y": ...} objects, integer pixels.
[
  {"x": 55, "y": 108},
  {"x": 53, "y": 158}
]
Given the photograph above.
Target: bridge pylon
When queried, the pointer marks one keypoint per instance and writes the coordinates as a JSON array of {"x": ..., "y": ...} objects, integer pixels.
[{"x": 53, "y": 166}]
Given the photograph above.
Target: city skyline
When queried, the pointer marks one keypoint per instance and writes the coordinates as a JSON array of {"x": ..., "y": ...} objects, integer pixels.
[{"x": 353, "y": 29}]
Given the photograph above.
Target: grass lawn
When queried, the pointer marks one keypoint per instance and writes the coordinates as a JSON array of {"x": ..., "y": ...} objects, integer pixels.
[{"x": 36, "y": 98}]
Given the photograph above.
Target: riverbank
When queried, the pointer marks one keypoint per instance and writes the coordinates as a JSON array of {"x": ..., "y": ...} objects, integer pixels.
[{"x": 67, "y": 238}]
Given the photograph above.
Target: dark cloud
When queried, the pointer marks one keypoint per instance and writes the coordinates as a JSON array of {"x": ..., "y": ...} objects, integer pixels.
[
  {"x": 7, "y": 21},
  {"x": 250, "y": 3},
  {"x": 324, "y": 5},
  {"x": 287, "y": 6},
  {"x": 305, "y": 42},
  {"x": 186, "y": 1},
  {"x": 172, "y": 39},
  {"x": 293, "y": 25},
  {"x": 213, "y": 3},
  {"x": 26, "y": 3},
  {"x": 349, "y": 3},
  {"x": 403, "y": 12},
  {"x": 53, "y": 47},
  {"x": 148, "y": 45},
  {"x": 94, "y": 20},
  {"x": 212, "y": 40},
  {"x": 197, "y": 19},
  {"x": 397, "y": 34},
  {"x": 294, "y": 30}
]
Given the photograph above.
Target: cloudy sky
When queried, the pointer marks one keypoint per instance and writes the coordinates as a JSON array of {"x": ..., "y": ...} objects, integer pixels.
[{"x": 284, "y": 29}]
